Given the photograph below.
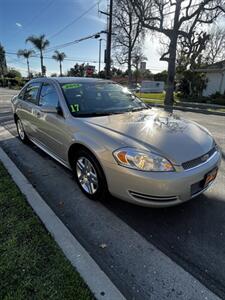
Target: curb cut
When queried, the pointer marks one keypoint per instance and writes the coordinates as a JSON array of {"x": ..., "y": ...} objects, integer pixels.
[{"x": 98, "y": 282}]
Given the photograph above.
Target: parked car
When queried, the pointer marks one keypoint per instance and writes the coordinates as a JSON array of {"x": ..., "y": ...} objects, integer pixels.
[{"x": 114, "y": 143}]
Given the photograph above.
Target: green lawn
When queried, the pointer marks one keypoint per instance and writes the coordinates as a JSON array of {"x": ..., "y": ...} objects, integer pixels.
[
  {"x": 156, "y": 96},
  {"x": 31, "y": 264}
]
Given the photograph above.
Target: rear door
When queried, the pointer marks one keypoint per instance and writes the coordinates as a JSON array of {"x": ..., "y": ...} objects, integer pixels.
[{"x": 28, "y": 103}]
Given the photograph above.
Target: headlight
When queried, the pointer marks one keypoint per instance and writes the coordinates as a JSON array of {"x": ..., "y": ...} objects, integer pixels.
[{"x": 141, "y": 160}]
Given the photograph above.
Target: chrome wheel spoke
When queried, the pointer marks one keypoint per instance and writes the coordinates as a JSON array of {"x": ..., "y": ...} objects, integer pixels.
[
  {"x": 80, "y": 165},
  {"x": 93, "y": 178}
]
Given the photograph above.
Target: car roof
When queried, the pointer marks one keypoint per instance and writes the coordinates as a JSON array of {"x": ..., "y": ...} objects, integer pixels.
[{"x": 69, "y": 79}]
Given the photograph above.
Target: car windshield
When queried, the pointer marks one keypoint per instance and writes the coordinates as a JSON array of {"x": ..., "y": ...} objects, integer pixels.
[{"x": 99, "y": 98}]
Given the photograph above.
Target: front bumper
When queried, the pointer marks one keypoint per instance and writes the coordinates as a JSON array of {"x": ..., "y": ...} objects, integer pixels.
[{"x": 157, "y": 189}]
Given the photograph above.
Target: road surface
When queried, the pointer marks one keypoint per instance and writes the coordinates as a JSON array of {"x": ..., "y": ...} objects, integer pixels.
[{"x": 192, "y": 235}]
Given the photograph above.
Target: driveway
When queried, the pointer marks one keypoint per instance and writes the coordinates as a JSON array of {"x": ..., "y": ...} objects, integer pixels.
[{"x": 191, "y": 235}]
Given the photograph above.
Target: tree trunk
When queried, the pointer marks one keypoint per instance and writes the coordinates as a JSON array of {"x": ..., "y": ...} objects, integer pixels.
[
  {"x": 129, "y": 70},
  {"x": 42, "y": 65},
  {"x": 137, "y": 70},
  {"x": 169, "y": 99},
  {"x": 60, "y": 67},
  {"x": 28, "y": 68}
]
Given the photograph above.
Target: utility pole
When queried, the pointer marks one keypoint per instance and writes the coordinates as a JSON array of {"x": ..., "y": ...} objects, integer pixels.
[
  {"x": 109, "y": 42},
  {"x": 100, "y": 56}
]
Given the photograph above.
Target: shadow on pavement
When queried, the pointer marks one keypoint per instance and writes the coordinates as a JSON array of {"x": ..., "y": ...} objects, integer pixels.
[{"x": 192, "y": 234}]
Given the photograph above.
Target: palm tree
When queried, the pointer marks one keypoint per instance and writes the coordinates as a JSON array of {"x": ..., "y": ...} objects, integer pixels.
[
  {"x": 59, "y": 56},
  {"x": 26, "y": 54},
  {"x": 41, "y": 43}
]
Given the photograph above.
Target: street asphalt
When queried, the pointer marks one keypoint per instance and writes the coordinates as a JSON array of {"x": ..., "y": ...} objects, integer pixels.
[{"x": 192, "y": 234}]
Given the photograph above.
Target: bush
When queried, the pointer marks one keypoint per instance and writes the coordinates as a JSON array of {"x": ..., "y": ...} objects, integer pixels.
[
  {"x": 218, "y": 101},
  {"x": 16, "y": 82}
]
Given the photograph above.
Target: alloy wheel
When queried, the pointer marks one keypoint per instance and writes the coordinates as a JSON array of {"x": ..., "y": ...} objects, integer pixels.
[{"x": 87, "y": 175}]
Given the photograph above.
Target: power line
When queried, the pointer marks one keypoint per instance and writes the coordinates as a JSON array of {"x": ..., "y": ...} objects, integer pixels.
[
  {"x": 75, "y": 20},
  {"x": 40, "y": 12},
  {"x": 73, "y": 59},
  {"x": 75, "y": 41}
]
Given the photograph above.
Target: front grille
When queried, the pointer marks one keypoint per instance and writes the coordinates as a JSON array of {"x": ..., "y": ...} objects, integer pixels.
[
  {"x": 153, "y": 198},
  {"x": 198, "y": 161}
]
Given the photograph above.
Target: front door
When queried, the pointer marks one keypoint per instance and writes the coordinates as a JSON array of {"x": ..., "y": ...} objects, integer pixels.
[{"x": 51, "y": 126}]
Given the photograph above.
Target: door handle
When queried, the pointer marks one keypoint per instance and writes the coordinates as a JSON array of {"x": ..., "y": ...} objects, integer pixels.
[{"x": 38, "y": 114}]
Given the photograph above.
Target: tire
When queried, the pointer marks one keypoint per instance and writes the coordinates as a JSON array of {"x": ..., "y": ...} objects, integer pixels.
[
  {"x": 21, "y": 132},
  {"x": 88, "y": 172}
]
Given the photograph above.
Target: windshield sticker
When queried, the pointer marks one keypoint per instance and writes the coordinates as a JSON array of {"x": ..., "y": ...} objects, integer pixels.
[
  {"x": 71, "y": 86},
  {"x": 74, "y": 108}
]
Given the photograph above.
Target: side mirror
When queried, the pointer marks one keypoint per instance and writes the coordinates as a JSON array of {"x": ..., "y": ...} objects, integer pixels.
[{"x": 49, "y": 109}]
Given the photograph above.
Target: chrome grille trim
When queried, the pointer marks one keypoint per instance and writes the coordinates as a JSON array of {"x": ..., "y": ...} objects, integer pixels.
[{"x": 191, "y": 164}]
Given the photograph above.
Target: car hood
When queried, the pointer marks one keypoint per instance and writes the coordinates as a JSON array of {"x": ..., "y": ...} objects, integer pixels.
[{"x": 178, "y": 139}]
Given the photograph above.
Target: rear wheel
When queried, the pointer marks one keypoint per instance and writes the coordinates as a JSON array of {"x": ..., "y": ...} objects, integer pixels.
[
  {"x": 20, "y": 130},
  {"x": 89, "y": 175}
]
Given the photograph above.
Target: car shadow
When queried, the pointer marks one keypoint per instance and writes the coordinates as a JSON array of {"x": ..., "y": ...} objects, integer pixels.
[{"x": 192, "y": 234}]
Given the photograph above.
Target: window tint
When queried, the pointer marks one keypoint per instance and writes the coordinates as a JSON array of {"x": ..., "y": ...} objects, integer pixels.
[
  {"x": 31, "y": 92},
  {"x": 48, "y": 96}
]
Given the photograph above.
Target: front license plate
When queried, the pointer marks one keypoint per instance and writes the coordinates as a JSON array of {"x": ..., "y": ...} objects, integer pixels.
[{"x": 211, "y": 176}]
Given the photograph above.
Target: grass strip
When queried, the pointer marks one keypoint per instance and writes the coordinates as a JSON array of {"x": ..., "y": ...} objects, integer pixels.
[{"x": 32, "y": 266}]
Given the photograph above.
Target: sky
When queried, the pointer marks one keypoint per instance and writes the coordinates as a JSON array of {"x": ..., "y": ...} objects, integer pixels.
[
  {"x": 61, "y": 21},
  {"x": 21, "y": 18}
]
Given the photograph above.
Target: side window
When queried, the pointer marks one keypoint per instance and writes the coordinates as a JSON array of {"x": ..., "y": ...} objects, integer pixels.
[
  {"x": 31, "y": 92},
  {"x": 21, "y": 94},
  {"x": 48, "y": 96}
]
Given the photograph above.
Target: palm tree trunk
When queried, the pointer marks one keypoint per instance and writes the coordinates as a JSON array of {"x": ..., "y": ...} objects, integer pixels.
[
  {"x": 42, "y": 65},
  {"x": 28, "y": 68},
  {"x": 60, "y": 67}
]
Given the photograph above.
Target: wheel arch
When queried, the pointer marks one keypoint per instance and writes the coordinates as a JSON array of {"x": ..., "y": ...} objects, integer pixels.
[{"x": 75, "y": 147}]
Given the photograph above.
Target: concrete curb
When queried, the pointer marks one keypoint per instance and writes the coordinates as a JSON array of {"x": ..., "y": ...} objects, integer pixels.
[
  {"x": 202, "y": 111},
  {"x": 98, "y": 282}
]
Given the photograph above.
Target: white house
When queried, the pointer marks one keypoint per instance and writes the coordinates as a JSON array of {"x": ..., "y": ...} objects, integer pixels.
[{"x": 215, "y": 75}]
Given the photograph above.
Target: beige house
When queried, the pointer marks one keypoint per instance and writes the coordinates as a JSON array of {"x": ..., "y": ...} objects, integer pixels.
[{"x": 215, "y": 75}]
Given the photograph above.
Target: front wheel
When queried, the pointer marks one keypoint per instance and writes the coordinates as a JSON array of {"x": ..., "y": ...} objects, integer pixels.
[
  {"x": 20, "y": 130},
  {"x": 89, "y": 175}
]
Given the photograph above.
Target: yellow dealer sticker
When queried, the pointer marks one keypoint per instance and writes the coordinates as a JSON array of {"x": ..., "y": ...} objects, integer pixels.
[
  {"x": 74, "y": 108},
  {"x": 71, "y": 86}
]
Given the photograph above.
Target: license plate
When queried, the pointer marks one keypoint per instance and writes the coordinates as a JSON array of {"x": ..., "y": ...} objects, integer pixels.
[{"x": 211, "y": 176}]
